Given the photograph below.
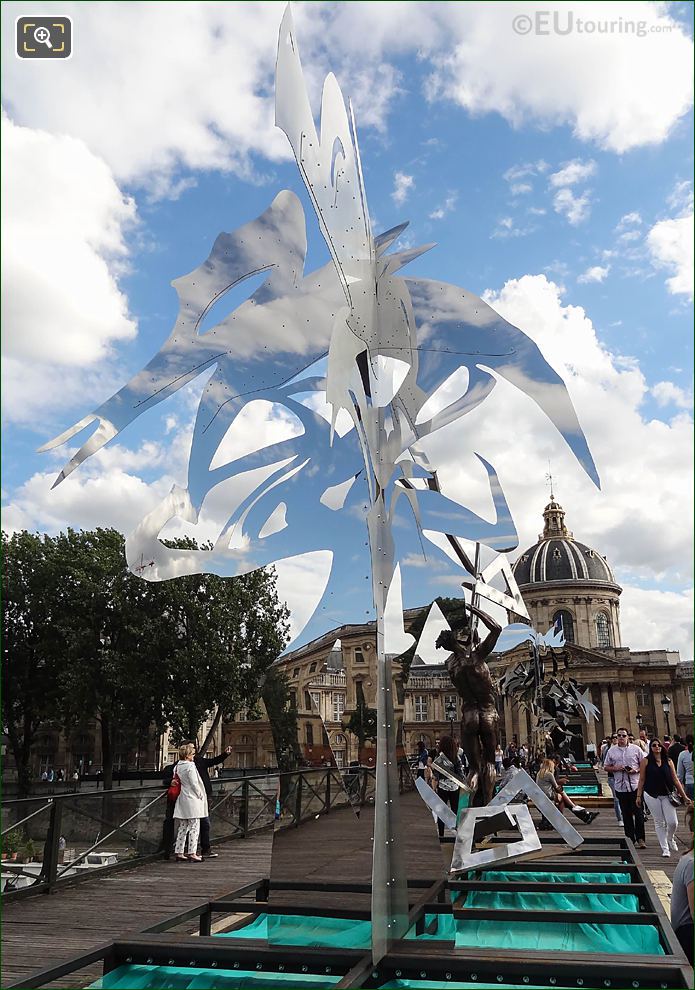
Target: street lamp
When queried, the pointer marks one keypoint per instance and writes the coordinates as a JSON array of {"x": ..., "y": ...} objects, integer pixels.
[
  {"x": 451, "y": 715},
  {"x": 666, "y": 707},
  {"x": 640, "y": 720}
]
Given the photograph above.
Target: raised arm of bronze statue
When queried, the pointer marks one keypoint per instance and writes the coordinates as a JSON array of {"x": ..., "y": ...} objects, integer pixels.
[{"x": 485, "y": 648}]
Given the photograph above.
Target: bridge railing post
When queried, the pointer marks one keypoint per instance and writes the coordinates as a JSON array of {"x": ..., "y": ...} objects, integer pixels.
[
  {"x": 51, "y": 848},
  {"x": 244, "y": 808},
  {"x": 298, "y": 802}
]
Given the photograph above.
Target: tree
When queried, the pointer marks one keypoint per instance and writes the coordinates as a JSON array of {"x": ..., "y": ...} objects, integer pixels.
[
  {"x": 363, "y": 721},
  {"x": 223, "y": 634},
  {"x": 113, "y": 627},
  {"x": 282, "y": 715},
  {"x": 33, "y": 648}
]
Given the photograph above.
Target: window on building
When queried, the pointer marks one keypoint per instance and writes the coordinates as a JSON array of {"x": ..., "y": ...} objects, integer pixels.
[
  {"x": 420, "y": 707},
  {"x": 338, "y": 705},
  {"x": 603, "y": 630},
  {"x": 643, "y": 696},
  {"x": 339, "y": 749},
  {"x": 359, "y": 656},
  {"x": 307, "y": 701},
  {"x": 292, "y": 699},
  {"x": 243, "y": 715},
  {"x": 295, "y": 672},
  {"x": 449, "y": 700},
  {"x": 312, "y": 667},
  {"x": 564, "y": 621},
  {"x": 691, "y": 697},
  {"x": 309, "y": 734},
  {"x": 316, "y": 699},
  {"x": 45, "y": 762}
]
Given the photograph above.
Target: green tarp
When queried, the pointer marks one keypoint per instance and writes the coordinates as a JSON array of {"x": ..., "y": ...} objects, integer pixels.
[
  {"x": 190, "y": 978},
  {"x": 557, "y": 936},
  {"x": 290, "y": 929}
]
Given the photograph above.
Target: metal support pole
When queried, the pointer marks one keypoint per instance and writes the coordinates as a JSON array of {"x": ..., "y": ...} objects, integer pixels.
[
  {"x": 206, "y": 921},
  {"x": 327, "y": 799}
]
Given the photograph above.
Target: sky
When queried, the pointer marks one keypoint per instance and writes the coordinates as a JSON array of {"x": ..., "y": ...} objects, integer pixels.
[{"x": 545, "y": 149}]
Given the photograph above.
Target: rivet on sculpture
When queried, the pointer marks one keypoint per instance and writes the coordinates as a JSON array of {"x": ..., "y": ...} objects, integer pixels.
[{"x": 364, "y": 360}]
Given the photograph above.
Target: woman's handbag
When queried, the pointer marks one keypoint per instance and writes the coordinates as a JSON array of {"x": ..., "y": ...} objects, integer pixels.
[
  {"x": 174, "y": 788},
  {"x": 674, "y": 799}
]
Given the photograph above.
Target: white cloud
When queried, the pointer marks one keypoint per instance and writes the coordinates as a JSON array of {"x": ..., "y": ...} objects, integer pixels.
[
  {"x": 616, "y": 89},
  {"x": 446, "y": 207},
  {"x": 546, "y": 80},
  {"x": 525, "y": 170},
  {"x": 628, "y": 220},
  {"x": 572, "y": 172},
  {"x": 521, "y": 188},
  {"x": 631, "y": 523},
  {"x": 629, "y": 235},
  {"x": 576, "y": 209},
  {"x": 681, "y": 199},
  {"x": 65, "y": 221},
  {"x": 597, "y": 273},
  {"x": 668, "y": 393},
  {"x": 658, "y": 620},
  {"x": 402, "y": 185},
  {"x": 112, "y": 497},
  {"x": 670, "y": 243}
]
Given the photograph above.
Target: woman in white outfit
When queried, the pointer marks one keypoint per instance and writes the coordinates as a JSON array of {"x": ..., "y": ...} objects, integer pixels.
[
  {"x": 657, "y": 780},
  {"x": 191, "y": 805}
]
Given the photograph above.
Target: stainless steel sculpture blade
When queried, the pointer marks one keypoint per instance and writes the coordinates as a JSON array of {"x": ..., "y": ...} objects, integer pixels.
[{"x": 349, "y": 356}]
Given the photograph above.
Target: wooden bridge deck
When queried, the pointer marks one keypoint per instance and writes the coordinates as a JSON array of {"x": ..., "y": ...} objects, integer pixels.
[{"x": 44, "y": 930}]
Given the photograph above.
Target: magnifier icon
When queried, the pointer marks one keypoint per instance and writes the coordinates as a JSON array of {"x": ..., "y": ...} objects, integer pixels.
[{"x": 43, "y": 36}]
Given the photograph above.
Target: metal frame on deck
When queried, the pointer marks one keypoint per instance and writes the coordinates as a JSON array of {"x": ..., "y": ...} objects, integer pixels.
[{"x": 438, "y": 961}]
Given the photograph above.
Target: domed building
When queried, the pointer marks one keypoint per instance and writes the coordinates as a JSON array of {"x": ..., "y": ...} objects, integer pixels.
[
  {"x": 566, "y": 584},
  {"x": 563, "y": 583}
]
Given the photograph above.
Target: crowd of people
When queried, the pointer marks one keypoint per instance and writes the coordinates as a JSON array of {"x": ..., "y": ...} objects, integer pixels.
[
  {"x": 648, "y": 778},
  {"x": 448, "y": 765}
]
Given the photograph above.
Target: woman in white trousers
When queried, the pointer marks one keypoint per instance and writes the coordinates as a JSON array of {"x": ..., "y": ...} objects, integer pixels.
[
  {"x": 191, "y": 805},
  {"x": 657, "y": 780}
]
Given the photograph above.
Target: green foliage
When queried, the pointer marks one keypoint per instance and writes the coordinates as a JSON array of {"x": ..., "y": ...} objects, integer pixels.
[
  {"x": 85, "y": 638},
  {"x": 33, "y": 648},
  {"x": 223, "y": 635},
  {"x": 363, "y": 721},
  {"x": 12, "y": 841},
  {"x": 282, "y": 715}
]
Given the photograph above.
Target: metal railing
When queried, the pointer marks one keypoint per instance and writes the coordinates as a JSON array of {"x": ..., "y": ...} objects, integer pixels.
[{"x": 71, "y": 838}]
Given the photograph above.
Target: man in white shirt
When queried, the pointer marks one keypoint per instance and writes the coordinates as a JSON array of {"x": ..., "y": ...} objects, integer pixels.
[
  {"x": 623, "y": 761},
  {"x": 643, "y": 742}
]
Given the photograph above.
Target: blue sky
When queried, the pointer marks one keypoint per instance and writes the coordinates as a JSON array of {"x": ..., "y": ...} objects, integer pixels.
[{"x": 552, "y": 171}]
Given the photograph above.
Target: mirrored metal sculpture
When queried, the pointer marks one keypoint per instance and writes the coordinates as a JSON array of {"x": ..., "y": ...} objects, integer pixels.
[
  {"x": 553, "y": 703},
  {"x": 367, "y": 366}
]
